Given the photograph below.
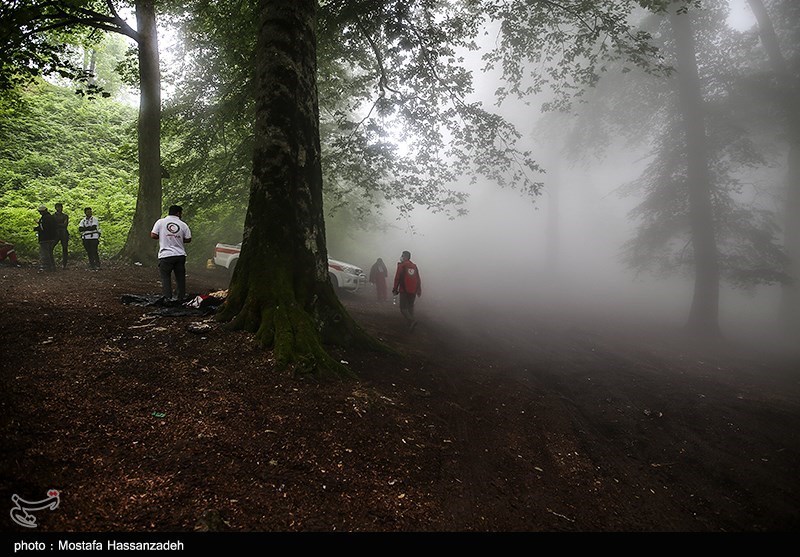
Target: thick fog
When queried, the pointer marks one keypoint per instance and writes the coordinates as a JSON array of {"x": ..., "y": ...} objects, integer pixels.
[
  {"x": 557, "y": 255},
  {"x": 502, "y": 256}
]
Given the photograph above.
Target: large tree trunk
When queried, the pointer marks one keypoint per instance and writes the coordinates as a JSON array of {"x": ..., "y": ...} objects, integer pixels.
[
  {"x": 704, "y": 312},
  {"x": 790, "y": 299},
  {"x": 280, "y": 289},
  {"x": 553, "y": 246},
  {"x": 139, "y": 246}
]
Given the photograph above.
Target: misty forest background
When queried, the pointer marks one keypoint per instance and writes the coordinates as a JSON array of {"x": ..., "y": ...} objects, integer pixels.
[{"x": 596, "y": 206}]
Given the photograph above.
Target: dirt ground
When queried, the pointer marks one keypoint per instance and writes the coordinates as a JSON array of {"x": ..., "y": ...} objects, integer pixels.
[{"x": 499, "y": 423}]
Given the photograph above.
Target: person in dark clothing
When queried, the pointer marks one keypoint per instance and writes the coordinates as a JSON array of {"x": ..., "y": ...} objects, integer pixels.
[
  {"x": 47, "y": 231},
  {"x": 408, "y": 285},
  {"x": 62, "y": 236},
  {"x": 377, "y": 276}
]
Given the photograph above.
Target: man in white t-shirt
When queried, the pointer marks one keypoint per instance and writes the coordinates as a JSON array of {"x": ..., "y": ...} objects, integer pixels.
[
  {"x": 172, "y": 233},
  {"x": 89, "y": 227}
]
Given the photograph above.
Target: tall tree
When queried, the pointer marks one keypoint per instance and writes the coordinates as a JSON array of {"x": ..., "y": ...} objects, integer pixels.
[
  {"x": 30, "y": 30},
  {"x": 280, "y": 289},
  {"x": 397, "y": 125},
  {"x": 789, "y": 102},
  {"x": 658, "y": 118},
  {"x": 148, "y": 200},
  {"x": 704, "y": 312}
]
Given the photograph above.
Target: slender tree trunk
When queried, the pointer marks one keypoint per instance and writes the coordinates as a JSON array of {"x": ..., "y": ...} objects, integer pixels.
[
  {"x": 90, "y": 64},
  {"x": 790, "y": 306},
  {"x": 553, "y": 219},
  {"x": 790, "y": 298},
  {"x": 92, "y": 67},
  {"x": 280, "y": 289},
  {"x": 704, "y": 312},
  {"x": 139, "y": 246}
]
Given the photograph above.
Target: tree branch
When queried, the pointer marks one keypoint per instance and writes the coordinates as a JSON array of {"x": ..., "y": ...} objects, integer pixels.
[{"x": 75, "y": 15}]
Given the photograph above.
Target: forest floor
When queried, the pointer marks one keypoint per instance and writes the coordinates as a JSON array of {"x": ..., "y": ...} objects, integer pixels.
[{"x": 146, "y": 423}]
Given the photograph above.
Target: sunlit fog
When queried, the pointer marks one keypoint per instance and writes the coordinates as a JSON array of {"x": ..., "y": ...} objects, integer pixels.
[
  {"x": 500, "y": 257},
  {"x": 609, "y": 231},
  {"x": 559, "y": 254}
]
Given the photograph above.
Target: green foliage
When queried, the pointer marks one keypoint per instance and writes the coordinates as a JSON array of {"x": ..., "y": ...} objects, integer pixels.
[
  {"x": 396, "y": 126},
  {"x": 40, "y": 37},
  {"x": 57, "y": 147},
  {"x": 207, "y": 125},
  {"x": 110, "y": 53},
  {"x": 566, "y": 46}
]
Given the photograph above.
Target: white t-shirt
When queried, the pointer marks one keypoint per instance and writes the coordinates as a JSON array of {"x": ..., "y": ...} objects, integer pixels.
[
  {"x": 90, "y": 234},
  {"x": 171, "y": 231}
]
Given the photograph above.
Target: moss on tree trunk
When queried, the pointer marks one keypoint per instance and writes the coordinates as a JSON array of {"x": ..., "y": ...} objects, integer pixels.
[{"x": 280, "y": 289}]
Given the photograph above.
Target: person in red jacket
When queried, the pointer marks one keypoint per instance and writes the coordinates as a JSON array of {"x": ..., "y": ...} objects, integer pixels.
[
  {"x": 7, "y": 251},
  {"x": 407, "y": 285}
]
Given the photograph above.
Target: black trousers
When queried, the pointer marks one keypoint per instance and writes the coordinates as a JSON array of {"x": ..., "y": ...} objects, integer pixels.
[
  {"x": 91, "y": 250},
  {"x": 63, "y": 239},
  {"x": 46, "y": 260},
  {"x": 407, "y": 305},
  {"x": 168, "y": 265}
]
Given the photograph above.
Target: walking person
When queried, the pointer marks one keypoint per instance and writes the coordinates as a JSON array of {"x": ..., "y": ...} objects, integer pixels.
[
  {"x": 407, "y": 285},
  {"x": 89, "y": 227},
  {"x": 62, "y": 236},
  {"x": 46, "y": 230},
  {"x": 172, "y": 233},
  {"x": 377, "y": 276}
]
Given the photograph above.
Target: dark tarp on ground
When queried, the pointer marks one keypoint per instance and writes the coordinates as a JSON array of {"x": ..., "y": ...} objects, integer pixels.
[{"x": 172, "y": 308}]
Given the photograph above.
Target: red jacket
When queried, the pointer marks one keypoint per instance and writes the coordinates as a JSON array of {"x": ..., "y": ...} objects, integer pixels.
[{"x": 406, "y": 279}]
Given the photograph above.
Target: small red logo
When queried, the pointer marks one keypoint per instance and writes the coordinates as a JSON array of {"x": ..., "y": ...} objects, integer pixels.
[{"x": 52, "y": 493}]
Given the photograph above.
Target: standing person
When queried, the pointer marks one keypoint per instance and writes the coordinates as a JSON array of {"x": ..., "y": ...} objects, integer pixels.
[
  {"x": 89, "y": 227},
  {"x": 62, "y": 236},
  {"x": 7, "y": 251},
  {"x": 408, "y": 286},
  {"x": 377, "y": 276},
  {"x": 46, "y": 229},
  {"x": 172, "y": 233}
]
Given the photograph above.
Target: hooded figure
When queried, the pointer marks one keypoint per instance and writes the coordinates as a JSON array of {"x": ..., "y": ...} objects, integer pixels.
[{"x": 377, "y": 276}]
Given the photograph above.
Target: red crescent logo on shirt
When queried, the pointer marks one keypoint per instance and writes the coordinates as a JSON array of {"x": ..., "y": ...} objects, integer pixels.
[
  {"x": 411, "y": 272},
  {"x": 173, "y": 228}
]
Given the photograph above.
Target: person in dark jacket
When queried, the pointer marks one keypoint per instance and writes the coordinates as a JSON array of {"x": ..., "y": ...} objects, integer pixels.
[
  {"x": 408, "y": 285},
  {"x": 377, "y": 276},
  {"x": 62, "y": 233},
  {"x": 47, "y": 231}
]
